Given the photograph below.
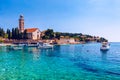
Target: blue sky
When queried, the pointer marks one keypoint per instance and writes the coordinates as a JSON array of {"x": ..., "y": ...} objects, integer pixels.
[{"x": 95, "y": 17}]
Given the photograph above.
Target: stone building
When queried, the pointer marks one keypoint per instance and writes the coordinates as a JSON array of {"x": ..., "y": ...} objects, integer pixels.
[
  {"x": 21, "y": 23},
  {"x": 32, "y": 33}
]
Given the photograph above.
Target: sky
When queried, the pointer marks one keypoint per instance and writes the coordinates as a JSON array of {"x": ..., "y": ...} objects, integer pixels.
[{"x": 94, "y": 17}]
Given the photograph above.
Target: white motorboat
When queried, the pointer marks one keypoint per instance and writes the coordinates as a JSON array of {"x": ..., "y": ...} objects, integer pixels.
[
  {"x": 45, "y": 46},
  {"x": 32, "y": 45},
  {"x": 105, "y": 46},
  {"x": 22, "y": 44}
]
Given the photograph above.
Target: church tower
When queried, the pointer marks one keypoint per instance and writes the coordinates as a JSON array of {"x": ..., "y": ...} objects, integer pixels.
[{"x": 21, "y": 23}]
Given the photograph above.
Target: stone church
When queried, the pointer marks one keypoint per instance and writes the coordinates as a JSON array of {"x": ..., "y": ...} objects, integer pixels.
[{"x": 32, "y": 33}]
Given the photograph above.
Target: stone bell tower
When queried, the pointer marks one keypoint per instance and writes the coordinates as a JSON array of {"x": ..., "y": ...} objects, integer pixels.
[{"x": 21, "y": 23}]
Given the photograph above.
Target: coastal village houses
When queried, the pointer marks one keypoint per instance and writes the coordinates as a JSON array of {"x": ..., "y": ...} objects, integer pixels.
[
  {"x": 32, "y": 33},
  {"x": 66, "y": 40}
]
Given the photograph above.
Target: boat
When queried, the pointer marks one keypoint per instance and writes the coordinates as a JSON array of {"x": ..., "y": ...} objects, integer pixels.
[
  {"x": 1, "y": 44},
  {"x": 25, "y": 44},
  {"x": 17, "y": 48},
  {"x": 105, "y": 46},
  {"x": 32, "y": 45},
  {"x": 45, "y": 46},
  {"x": 22, "y": 44}
]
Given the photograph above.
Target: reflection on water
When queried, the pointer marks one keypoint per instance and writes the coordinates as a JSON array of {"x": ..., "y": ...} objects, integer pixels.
[
  {"x": 36, "y": 54},
  {"x": 104, "y": 55}
]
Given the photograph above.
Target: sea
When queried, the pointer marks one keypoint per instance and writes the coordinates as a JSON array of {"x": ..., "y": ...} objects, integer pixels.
[{"x": 63, "y": 62}]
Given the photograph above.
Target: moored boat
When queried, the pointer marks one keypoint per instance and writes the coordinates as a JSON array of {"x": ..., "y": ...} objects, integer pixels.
[
  {"x": 105, "y": 46},
  {"x": 45, "y": 46},
  {"x": 32, "y": 45}
]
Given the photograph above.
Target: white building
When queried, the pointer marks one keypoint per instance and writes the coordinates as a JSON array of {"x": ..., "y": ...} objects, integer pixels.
[
  {"x": 66, "y": 40},
  {"x": 33, "y": 33}
]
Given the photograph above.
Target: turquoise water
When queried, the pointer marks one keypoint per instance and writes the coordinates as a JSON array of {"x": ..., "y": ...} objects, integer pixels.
[{"x": 66, "y": 62}]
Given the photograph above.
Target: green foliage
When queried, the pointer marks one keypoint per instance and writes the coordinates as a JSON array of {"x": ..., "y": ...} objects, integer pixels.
[
  {"x": 15, "y": 34},
  {"x": 6, "y": 36},
  {"x": 103, "y": 40},
  {"x": 57, "y": 35},
  {"x": 25, "y": 35},
  {"x": 70, "y": 34},
  {"x": 20, "y": 35},
  {"x": 8, "y": 33},
  {"x": 2, "y": 32},
  {"x": 49, "y": 34},
  {"x": 81, "y": 39}
]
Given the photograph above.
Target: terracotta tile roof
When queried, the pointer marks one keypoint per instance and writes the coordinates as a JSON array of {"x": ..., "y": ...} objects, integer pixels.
[{"x": 30, "y": 30}]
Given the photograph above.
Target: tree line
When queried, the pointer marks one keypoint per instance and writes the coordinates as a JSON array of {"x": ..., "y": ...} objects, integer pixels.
[
  {"x": 2, "y": 32},
  {"x": 13, "y": 34},
  {"x": 50, "y": 34},
  {"x": 16, "y": 34}
]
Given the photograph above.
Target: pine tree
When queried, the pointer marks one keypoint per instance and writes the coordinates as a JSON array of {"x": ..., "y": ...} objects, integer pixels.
[
  {"x": 9, "y": 34},
  {"x": 25, "y": 35},
  {"x": 13, "y": 33},
  {"x": 2, "y": 32}
]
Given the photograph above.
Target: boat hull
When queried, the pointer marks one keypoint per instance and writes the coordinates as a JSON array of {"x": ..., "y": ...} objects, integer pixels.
[
  {"x": 104, "y": 48},
  {"x": 45, "y": 46}
]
